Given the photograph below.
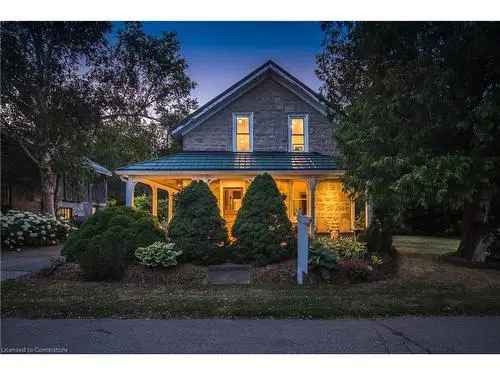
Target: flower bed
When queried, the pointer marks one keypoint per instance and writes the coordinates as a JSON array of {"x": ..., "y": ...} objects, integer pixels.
[{"x": 24, "y": 228}]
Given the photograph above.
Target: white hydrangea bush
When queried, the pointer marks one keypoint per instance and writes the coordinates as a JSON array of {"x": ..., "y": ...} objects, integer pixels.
[
  {"x": 25, "y": 228},
  {"x": 158, "y": 254}
]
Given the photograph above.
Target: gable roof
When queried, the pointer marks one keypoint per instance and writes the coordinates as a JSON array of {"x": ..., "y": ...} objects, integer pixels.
[
  {"x": 98, "y": 168},
  {"x": 199, "y": 161},
  {"x": 233, "y": 92}
]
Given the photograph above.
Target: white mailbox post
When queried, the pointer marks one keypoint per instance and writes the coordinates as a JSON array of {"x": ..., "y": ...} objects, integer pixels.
[{"x": 303, "y": 223}]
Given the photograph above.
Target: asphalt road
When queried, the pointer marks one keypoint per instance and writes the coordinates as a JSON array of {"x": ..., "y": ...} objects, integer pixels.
[{"x": 396, "y": 335}]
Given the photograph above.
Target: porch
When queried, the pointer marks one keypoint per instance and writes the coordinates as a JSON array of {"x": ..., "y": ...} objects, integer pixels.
[
  {"x": 320, "y": 197},
  {"x": 307, "y": 181}
]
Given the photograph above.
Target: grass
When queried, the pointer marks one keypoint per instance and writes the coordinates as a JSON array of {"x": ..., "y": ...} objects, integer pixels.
[
  {"x": 423, "y": 286},
  {"x": 425, "y": 245}
]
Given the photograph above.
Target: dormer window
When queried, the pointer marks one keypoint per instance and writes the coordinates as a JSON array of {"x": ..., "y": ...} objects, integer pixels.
[
  {"x": 298, "y": 139},
  {"x": 243, "y": 132}
]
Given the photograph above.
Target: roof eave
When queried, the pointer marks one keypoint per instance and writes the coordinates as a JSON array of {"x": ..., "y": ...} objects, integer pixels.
[{"x": 301, "y": 172}]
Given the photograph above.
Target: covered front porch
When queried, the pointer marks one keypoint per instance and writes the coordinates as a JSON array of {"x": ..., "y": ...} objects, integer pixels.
[
  {"x": 320, "y": 197},
  {"x": 306, "y": 182}
]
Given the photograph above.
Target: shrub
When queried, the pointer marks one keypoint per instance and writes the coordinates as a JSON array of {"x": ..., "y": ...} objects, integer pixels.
[
  {"x": 158, "y": 254},
  {"x": 356, "y": 270},
  {"x": 130, "y": 229},
  {"x": 105, "y": 260},
  {"x": 322, "y": 257},
  {"x": 197, "y": 229},
  {"x": 378, "y": 240},
  {"x": 24, "y": 228},
  {"x": 262, "y": 231},
  {"x": 343, "y": 247}
]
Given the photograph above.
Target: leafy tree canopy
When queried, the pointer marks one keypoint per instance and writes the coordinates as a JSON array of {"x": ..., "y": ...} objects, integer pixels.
[
  {"x": 69, "y": 89},
  {"x": 416, "y": 104}
]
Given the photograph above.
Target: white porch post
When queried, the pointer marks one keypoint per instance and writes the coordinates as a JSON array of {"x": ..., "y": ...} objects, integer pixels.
[
  {"x": 311, "y": 203},
  {"x": 129, "y": 192},
  {"x": 170, "y": 205},
  {"x": 368, "y": 212},
  {"x": 154, "y": 200}
]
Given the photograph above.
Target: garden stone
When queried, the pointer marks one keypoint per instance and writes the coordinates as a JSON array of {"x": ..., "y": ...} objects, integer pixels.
[{"x": 229, "y": 274}]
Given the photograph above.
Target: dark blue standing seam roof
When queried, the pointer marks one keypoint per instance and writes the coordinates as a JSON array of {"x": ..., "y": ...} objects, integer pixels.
[{"x": 236, "y": 161}]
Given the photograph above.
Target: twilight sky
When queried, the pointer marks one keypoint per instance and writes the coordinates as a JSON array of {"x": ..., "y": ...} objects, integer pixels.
[{"x": 221, "y": 53}]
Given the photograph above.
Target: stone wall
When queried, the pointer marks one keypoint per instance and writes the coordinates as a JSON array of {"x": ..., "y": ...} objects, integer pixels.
[
  {"x": 271, "y": 103},
  {"x": 333, "y": 207}
]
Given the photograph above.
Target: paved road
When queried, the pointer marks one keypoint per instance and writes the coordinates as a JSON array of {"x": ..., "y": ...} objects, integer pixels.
[
  {"x": 17, "y": 264},
  {"x": 397, "y": 335}
]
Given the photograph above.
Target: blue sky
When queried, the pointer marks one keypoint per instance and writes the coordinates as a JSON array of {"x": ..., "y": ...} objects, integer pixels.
[{"x": 221, "y": 53}]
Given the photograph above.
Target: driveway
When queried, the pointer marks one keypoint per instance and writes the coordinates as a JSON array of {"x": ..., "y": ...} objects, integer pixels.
[
  {"x": 395, "y": 335},
  {"x": 28, "y": 260}
]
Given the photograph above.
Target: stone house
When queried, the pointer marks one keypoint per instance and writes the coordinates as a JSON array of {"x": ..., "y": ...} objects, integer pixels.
[{"x": 270, "y": 122}]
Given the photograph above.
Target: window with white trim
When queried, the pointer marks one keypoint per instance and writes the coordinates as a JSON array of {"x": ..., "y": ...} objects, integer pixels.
[
  {"x": 298, "y": 139},
  {"x": 242, "y": 132}
]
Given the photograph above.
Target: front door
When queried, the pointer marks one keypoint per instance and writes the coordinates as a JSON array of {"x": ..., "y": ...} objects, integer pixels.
[{"x": 232, "y": 203}]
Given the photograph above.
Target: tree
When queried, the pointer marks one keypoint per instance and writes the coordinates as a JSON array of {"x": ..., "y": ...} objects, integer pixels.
[
  {"x": 67, "y": 85},
  {"x": 416, "y": 106},
  {"x": 197, "y": 229},
  {"x": 47, "y": 106},
  {"x": 262, "y": 230}
]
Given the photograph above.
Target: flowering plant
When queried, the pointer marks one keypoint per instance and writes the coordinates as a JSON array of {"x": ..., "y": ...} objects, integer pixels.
[{"x": 25, "y": 228}]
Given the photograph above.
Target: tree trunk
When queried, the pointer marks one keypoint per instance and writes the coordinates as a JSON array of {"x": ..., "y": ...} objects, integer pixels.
[
  {"x": 476, "y": 235},
  {"x": 49, "y": 182}
]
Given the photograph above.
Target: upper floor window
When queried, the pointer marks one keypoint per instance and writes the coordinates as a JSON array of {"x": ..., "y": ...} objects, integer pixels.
[
  {"x": 243, "y": 132},
  {"x": 298, "y": 138}
]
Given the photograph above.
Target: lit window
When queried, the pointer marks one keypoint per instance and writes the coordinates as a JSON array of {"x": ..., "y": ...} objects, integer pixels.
[
  {"x": 242, "y": 125},
  {"x": 298, "y": 133},
  {"x": 299, "y": 197},
  {"x": 65, "y": 212}
]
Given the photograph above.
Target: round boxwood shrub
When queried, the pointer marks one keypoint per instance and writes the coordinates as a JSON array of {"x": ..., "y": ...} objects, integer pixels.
[
  {"x": 197, "y": 229},
  {"x": 262, "y": 231},
  {"x": 105, "y": 260},
  {"x": 128, "y": 227}
]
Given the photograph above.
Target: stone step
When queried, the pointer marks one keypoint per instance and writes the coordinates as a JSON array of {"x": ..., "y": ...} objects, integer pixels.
[{"x": 226, "y": 274}]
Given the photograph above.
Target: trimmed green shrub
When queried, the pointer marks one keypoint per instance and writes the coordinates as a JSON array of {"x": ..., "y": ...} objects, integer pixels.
[
  {"x": 129, "y": 227},
  {"x": 262, "y": 231},
  {"x": 197, "y": 229},
  {"x": 158, "y": 254},
  {"x": 105, "y": 260}
]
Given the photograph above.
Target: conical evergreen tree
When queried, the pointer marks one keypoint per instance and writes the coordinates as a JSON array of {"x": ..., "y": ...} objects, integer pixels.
[
  {"x": 262, "y": 231},
  {"x": 197, "y": 229}
]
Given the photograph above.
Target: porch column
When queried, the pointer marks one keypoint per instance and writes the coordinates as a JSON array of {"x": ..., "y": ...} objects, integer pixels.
[
  {"x": 129, "y": 192},
  {"x": 170, "y": 205},
  {"x": 368, "y": 212},
  {"x": 311, "y": 203},
  {"x": 154, "y": 200}
]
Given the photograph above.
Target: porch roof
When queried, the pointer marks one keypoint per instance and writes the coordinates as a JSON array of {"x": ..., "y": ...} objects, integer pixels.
[{"x": 235, "y": 161}]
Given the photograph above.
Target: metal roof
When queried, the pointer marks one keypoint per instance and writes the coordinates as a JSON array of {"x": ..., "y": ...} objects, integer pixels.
[
  {"x": 97, "y": 167},
  {"x": 235, "y": 161}
]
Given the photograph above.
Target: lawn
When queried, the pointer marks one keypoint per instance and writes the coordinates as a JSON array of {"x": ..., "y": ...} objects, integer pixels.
[
  {"x": 425, "y": 245},
  {"x": 423, "y": 285}
]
